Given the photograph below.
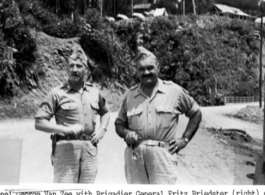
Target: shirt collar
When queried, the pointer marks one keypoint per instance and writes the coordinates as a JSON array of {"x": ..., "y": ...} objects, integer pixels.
[
  {"x": 67, "y": 86},
  {"x": 138, "y": 90},
  {"x": 160, "y": 88}
]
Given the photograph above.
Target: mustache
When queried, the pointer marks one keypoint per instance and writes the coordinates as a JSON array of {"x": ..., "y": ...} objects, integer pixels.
[{"x": 147, "y": 76}]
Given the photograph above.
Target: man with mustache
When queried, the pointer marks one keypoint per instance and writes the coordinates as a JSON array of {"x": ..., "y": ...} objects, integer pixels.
[
  {"x": 147, "y": 121},
  {"x": 75, "y": 105}
]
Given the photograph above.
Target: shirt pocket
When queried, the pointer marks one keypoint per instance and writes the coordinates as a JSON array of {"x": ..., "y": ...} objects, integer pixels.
[
  {"x": 135, "y": 119},
  {"x": 69, "y": 112},
  {"x": 69, "y": 106},
  {"x": 94, "y": 109},
  {"x": 165, "y": 115}
]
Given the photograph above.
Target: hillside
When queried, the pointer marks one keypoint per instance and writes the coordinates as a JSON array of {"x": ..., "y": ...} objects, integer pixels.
[
  {"x": 50, "y": 66},
  {"x": 204, "y": 54}
]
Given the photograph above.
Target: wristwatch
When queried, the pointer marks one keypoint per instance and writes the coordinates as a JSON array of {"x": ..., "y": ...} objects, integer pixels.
[{"x": 186, "y": 139}]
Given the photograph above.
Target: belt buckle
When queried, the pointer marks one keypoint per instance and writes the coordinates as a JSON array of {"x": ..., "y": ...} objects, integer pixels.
[
  {"x": 161, "y": 144},
  {"x": 149, "y": 143}
]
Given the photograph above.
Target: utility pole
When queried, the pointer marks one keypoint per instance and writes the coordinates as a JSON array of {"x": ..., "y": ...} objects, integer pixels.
[
  {"x": 183, "y": 4},
  {"x": 261, "y": 45},
  {"x": 259, "y": 178},
  {"x": 194, "y": 7},
  {"x": 132, "y": 6},
  {"x": 101, "y": 8},
  {"x": 197, "y": 3}
]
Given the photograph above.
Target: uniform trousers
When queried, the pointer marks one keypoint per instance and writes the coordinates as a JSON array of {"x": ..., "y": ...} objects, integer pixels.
[
  {"x": 75, "y": 161},
  {"x": 155, "y": 165}
]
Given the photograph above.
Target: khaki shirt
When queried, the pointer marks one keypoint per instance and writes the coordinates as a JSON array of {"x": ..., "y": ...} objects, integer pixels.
[
  {"x": 72, "y": 107},
  {"x": 156, "y": 117}
]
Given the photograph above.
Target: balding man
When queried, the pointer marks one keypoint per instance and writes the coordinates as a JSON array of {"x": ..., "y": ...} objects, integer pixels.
[
  {"x": 75, "y": 105},
  {"x": 147, "y": 121}
]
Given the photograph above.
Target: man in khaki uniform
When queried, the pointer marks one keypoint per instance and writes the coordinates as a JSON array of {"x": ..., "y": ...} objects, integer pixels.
[
  {"x": 148, "y": 119},
  {"x": 75, "y": 105}
]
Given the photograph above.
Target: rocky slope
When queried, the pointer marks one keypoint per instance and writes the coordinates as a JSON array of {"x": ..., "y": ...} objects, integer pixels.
[{"x": 50, "y": 66}]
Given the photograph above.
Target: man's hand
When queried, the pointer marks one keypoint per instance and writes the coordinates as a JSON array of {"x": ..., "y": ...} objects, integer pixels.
[
  {"x": 73, "y": 129},
  {"x": 176, "y": 145},
  {"x": 131, "y": 137},
  {"x": 98, "y": 135}
]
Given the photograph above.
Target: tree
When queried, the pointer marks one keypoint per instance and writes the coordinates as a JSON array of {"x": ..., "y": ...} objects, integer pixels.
[
  {"x": 194, "y": 6},
  {"x": 68, "y": 7},
  {"x": 205, "y": 5}
]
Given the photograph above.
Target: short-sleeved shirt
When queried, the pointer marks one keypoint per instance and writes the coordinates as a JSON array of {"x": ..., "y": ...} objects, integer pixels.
[
  {"x": 156, "y": 117},
  {"x": 73, "y": 107}
]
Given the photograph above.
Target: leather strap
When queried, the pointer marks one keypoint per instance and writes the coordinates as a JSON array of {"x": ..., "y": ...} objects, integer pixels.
[
  {"x": 150, "y": 142},
  {"x": 75, "y": 137}
]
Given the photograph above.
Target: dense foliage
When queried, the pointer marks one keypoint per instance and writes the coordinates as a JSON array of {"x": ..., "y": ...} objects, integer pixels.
[
  {"x": 16, "y": 35},
  {"x": 218, "y": 54},
  {"x": 204, "y": 54},
  {"x": 112, "y": 48}
]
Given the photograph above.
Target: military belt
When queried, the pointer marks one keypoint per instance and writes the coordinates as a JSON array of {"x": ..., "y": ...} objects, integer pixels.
[
  {"x": 69, "y": 137},
  {"x": 150, "y": 142}
]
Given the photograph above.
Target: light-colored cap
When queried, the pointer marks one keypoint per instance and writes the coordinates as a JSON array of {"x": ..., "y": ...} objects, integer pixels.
[
  {"x": 79, "y": 56},
  {"x": 143, "y": 54}
]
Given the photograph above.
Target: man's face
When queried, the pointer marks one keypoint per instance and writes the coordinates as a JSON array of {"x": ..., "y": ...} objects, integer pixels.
[
  {"x": 76, "y": 71},
  {"x": 147, "y": 71}
]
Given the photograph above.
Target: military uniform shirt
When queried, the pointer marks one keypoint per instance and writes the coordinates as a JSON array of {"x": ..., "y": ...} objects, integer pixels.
[
  {"x": 72, "y": 107},
  {"x": 156, "y": 117}
]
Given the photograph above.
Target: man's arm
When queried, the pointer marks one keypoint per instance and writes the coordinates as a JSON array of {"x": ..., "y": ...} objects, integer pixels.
[
  {"x": 45, "y": 125},
  {"x": 121, "y": 130},
  {"x": 192, "y": 125},
  {"x": 104, "y": 120},
  {"x": 121, "y": 124},
  {"x": 99, "y": 133},
  {"x": 130, "y": 137},
  {"x": 191, "y": 129}
]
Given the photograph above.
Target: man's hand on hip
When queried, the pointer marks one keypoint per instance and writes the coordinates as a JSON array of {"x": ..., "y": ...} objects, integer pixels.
[
  {"x": 176, "y": 145},
  {"x": 98, "y": 135},
  {"x": 131, "y": 137}
]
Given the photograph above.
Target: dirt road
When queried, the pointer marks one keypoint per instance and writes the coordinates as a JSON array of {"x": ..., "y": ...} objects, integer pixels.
[{"x": 206, "y": 160}]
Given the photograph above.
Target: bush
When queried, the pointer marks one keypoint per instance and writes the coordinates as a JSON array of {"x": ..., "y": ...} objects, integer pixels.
[
  {"x": 92, "y": 17},
  {"x": 9, "y": 80},
  {"x": 127, "y": 32},
  {"x": 13, "y": 74},
  {"x": 63, "y": 29},
  {"x": 44, "y": 16},
  {"x": 112, "y": 56},
  {"x": 205, "y": 56},
  {"x": 199, "y": 53},
  {"x": 8, "y": 77}
]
